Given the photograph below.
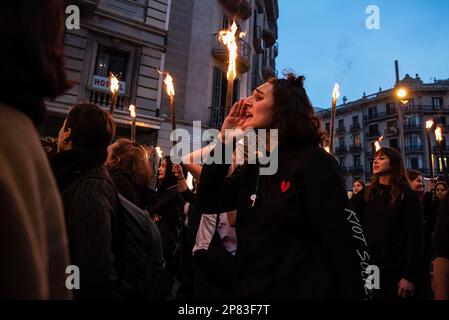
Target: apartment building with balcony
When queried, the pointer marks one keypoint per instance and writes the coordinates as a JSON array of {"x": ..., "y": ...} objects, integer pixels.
[
  {"x": 198, "y": 61},
  {"x": 127, "y": 38},
  {"x": 358, "y": 124}
]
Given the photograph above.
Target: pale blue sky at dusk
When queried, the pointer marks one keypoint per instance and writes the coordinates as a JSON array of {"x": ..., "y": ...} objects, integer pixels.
[{"x": 327, "y": 42}]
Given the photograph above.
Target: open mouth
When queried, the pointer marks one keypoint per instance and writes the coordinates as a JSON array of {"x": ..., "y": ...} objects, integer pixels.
[{"x": 248, "y": 115}]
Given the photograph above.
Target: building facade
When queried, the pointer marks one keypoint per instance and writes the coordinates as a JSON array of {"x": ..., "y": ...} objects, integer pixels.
[
  {"x": 360, "y": 123},
  {"x": 198, "y": 61},
  {"x": 127, "y": 38}
]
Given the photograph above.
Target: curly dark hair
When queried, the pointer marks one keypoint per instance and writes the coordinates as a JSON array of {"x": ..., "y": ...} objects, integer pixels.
[
  {"x": 294, "y": 115},
  {"x": 132, "y": 159}
]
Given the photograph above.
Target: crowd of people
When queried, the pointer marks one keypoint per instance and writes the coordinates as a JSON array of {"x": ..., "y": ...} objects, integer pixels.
[{"x": 237, "y": 234}]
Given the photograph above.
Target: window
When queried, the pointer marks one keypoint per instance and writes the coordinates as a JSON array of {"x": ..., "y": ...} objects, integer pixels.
[
  {"x": 328, "y": 127},
  {"x": 356, "y": 161},
  {"x": 443, "y": 120},
  {"x": 394, "y": 143},
  {"x": 410, "y": 104},
  {"x": 342, "y": 162},
  {"x": 414, "y": 163},
  {"x": 372, "y": 112},
  {"x": 357, "y": 143},
  {"x": 392, "y": 126},
  {"x": 219, "y": 86},
  {"x": 110, "y": 60},
  {"x": 436, "y": 103},
  {"x": 391, "y": 108},
  {"x": 342, "y": 141},
  {"x": 373, "y": 130},
  {"x": 341, "y": 123},
  {"x": 413, "y": 140},
  {"x": 355, "y": 120}
]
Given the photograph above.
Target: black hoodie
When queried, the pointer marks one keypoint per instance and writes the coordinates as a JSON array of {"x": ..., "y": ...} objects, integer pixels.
[{"x": 300, "y": 240}]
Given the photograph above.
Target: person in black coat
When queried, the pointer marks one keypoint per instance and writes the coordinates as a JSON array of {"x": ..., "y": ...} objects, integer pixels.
[
  {"x": 130, "y": 169},
  {"x": 89, "y": 198},
  {"x": 297, "y": 235},
  {"x": 441, "y": 262},
  {"x": 391, "y": 215}
]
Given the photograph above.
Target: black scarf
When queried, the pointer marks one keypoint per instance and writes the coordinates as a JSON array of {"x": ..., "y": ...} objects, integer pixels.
[{"x": 68, "y": 165}]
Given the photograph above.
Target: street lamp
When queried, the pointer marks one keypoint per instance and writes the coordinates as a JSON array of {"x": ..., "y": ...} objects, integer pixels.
[{"x": 402, "y": 94}]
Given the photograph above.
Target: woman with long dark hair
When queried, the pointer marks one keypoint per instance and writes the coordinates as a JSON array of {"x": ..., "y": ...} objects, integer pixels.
[
  {"x": 297, "y": 238},
  {"x": 391, "y": 214}
]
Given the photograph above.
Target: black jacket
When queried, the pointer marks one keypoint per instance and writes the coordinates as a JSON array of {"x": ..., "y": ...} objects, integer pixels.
[
  {"x": 300, "y": 240},
  {"x": 442, "y": 230},
  {"x": 394, "y": 234},
  {"x": 90, "y": 205}
]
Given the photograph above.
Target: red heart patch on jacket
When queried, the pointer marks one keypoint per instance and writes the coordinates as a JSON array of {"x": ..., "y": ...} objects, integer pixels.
[{"x": 285, "y": 185}]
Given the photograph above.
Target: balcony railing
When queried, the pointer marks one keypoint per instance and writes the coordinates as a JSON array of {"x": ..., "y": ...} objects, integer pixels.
[
  {"x": 392, "y": 131},
  {"x": 341, "y": 150},
  {"x": 341, "y": 130},
  {"x": 436, "y": 150},
  {"x": 220, "y": 51},
  {"x": 103, "y": 99},
  {"x": 373, "y": 134},
  {"x": 412, "y": 127},
  {"x": 258, "y": 41},
  {"x": 356, "y": 170},
  {"x": 378, "y": 116},
  {"x": 353, "y": 128},
  {"x": 415, "y": 148},
  {"x": 355, "y": 148},
  {"x": 269, "y": 34}
]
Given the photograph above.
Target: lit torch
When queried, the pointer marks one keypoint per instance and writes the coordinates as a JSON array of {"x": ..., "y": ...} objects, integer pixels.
[
  {"x": 429, "y": 125},
  {"x": 115, "y": 84},
  {"x": 228, "y": 37},
  {"x": 335, "y": 95},
  {"x": 377, "y": 144},
  {"x": 171, "y": 93},
  {"x": 132, "y": 111},
  {"x": 439, "y": 139}
]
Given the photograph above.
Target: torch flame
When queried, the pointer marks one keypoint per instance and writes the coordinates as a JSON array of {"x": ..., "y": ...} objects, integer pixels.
[
  {"x": 438, "y": 134},
  {"x": 229, "y": 39},
  {"x": 429, "y": 124},
  {"x": 336, "y": 92},
  {"x": 115, "y": 83},
  {"x": 159, "y": 152},
  {"x": 169, "y": 85},
  {"x": 132, "y": 110},
  {"x": 377, "y": 143}
]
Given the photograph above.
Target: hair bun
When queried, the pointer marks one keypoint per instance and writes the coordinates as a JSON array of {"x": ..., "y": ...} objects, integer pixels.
[{"x": 294, "y": 80}]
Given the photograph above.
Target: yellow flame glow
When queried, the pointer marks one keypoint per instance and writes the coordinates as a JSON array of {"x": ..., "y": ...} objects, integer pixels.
[
  {"x": 132, "y": 111},
  {"x": 429, "y": 124},
  {"x": 336, "y": 92},
  {"x": 169, "y": 85},
  {"x": 229, "y": 40},
  {"x": 377, "y": 143},
  {"x": 327, "y": 149},
  {"x": 438, "y": 134},
  {"x": 115, "y": 83},
  {"x": 159, "y": 152}
]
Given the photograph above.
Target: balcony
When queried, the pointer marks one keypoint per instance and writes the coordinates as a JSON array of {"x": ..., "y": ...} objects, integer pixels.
[
  {"x": 392, "y": 131},
  {"x": 269, "y": 69},
  {"x": 242, "y": 8},
  {"x": 258, "y": 41},
  {"x": 103, "y": 99},
  {"x": 354, "y": 128},
  {"x": 413, "y": 127},
  {"x": 373, "y": 135},
  {"x": 269, "y": 34},
  {"x": 414, "y": 148},
  {"x": 356, "y": 170},
  {"x": 378, "y": 116},
  {"x": 436, "y": 150},
  {"x": 220, "y": 52},
  {"x": 341, "y": 130},
  {"x": 276, "y": 50},
  {"x": 341, "y": 150},
  {"x": 355, "y": 148}
]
